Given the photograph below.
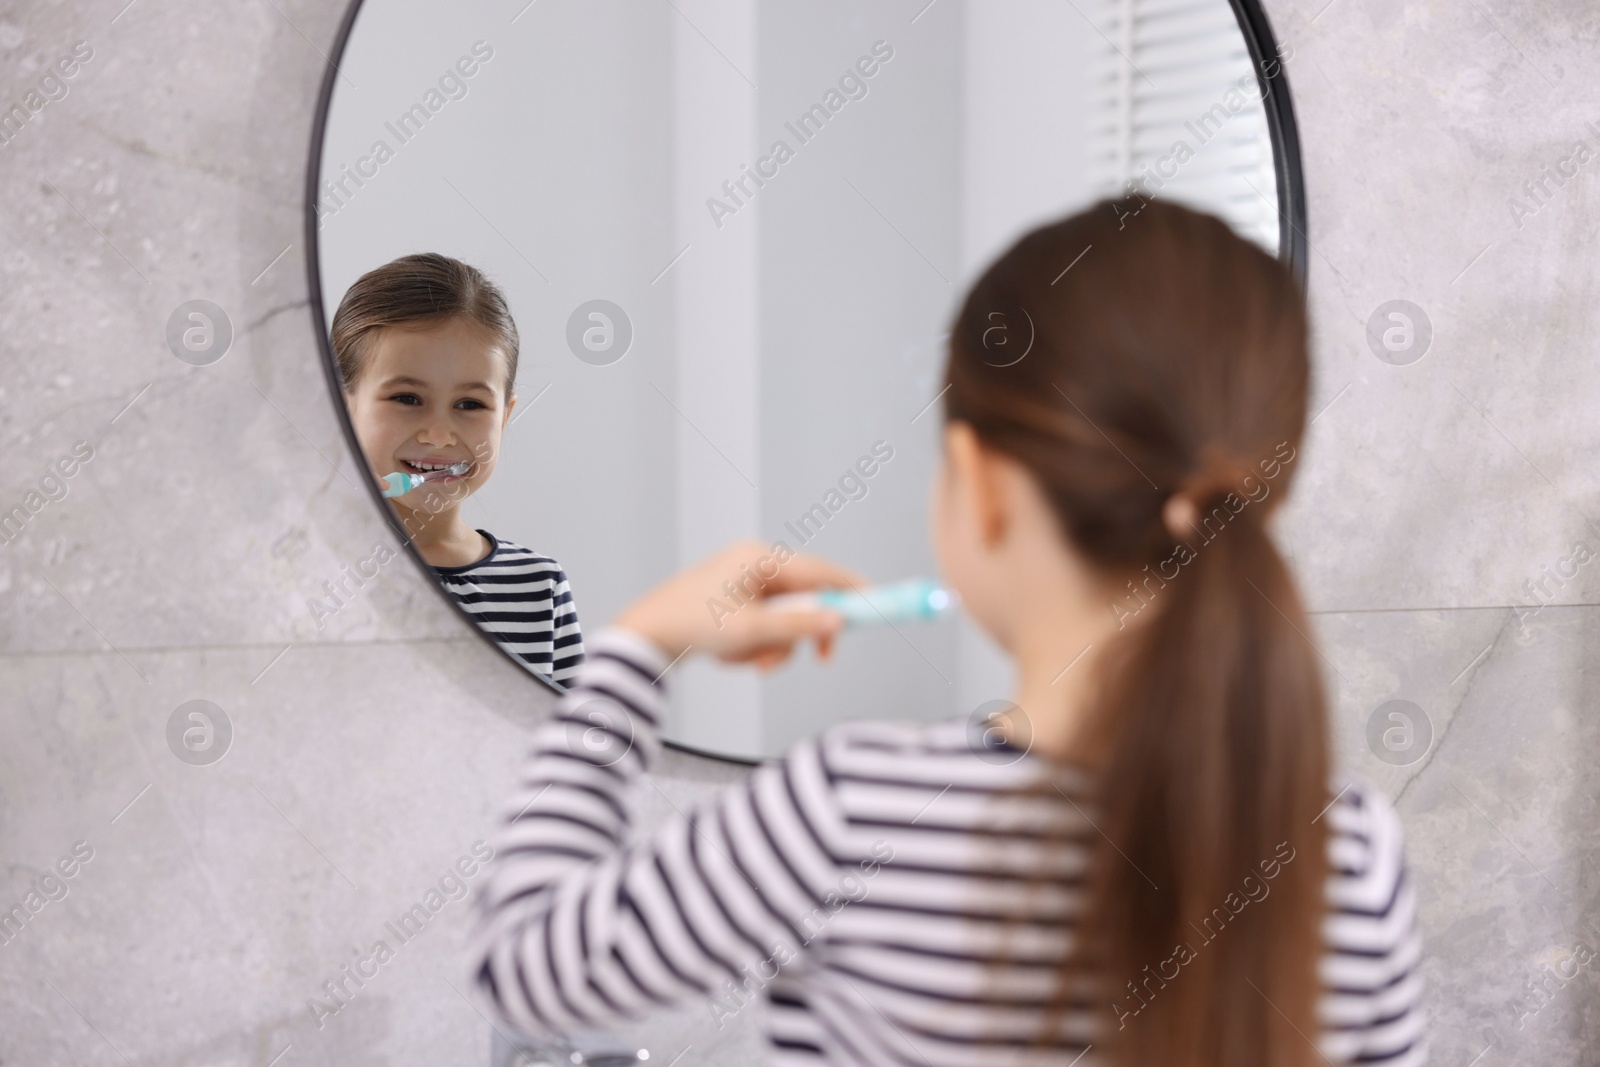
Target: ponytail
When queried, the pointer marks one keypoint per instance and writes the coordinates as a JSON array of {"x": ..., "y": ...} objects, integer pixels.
[
  {"x": 1174, "y": 361},
  {"x": 1214, "y": 722}
]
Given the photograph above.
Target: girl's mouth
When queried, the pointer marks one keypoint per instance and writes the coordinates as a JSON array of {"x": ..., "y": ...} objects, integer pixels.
[{"x": 436, "y": 469}]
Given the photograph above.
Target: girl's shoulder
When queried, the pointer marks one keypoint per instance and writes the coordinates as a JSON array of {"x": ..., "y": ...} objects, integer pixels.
[
  {"x": 1371, "y": 1003},
  {"x": 894, "y": 740},
  {"x": 957, "y": 752},
  {"x": 505, "y": 553},
  {"x": 1366, "y": 843}
]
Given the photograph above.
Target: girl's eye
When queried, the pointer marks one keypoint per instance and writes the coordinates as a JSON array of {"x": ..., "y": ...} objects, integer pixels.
[
  {"x": 472, "y": 405},
  {"x": 406, "y": 398}
]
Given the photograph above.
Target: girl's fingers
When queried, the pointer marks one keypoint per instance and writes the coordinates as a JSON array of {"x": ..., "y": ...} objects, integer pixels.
[
  {"x": 768, "y": 637},
  {"x": 783, "y": 628},
  {"x": 717, "y": 606},
  {"x": 804, "y": 571}
]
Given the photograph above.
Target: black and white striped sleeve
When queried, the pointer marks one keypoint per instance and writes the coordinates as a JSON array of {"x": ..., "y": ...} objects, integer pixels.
[
  {"x": 566, "y": 637},
  {"x": 580, "y": 929},
  {"x": 1371, "y": 1009}
]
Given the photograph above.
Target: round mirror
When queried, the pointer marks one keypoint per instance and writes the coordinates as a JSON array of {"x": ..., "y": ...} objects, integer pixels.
[{"x": 724, "y": 239}]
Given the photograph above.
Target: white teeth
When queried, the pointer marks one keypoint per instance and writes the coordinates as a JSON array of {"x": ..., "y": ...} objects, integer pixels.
[{"x": 430, "y": 466}]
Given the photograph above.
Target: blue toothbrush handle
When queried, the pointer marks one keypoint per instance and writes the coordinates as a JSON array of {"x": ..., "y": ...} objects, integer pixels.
[
  {"x": 400, "y": 484},
  {"x": 916, "y": 600}
]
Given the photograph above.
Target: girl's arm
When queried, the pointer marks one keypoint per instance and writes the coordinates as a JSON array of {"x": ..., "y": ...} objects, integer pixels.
[
  {"x": 566, "y": 637},
  {"x": 1371, "y": 1006},
  {"x": 580, "y": 930}
]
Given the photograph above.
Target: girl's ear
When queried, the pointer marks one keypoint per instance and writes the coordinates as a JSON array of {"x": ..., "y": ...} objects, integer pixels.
[
  {"x": 976, "y": 480},
  {"x": 505, "y": 416}
]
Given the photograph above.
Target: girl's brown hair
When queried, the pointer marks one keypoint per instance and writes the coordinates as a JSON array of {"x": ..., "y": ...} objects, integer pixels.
[
  {"x": 1172, "y": 357},
  {"x": 418, "y": 289}
]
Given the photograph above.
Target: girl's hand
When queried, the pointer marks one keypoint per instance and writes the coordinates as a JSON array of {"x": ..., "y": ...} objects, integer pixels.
[{"x": 694, "y": 609}]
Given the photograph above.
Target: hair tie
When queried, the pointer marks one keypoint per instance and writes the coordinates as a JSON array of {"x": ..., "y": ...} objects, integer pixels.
[{"x": 1221, "y": 477}]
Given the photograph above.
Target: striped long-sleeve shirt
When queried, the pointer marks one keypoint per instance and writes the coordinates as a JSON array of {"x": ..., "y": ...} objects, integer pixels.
[
  {"x": 880, "y": 887},
  {"x": 523, "y": 601}
]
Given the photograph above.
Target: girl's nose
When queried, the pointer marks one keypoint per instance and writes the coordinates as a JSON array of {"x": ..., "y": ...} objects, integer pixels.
[{"x": 434, "y": 436}]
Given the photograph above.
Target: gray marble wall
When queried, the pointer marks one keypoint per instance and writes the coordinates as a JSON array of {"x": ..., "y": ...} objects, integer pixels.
[{"x": 369, "y": 749}]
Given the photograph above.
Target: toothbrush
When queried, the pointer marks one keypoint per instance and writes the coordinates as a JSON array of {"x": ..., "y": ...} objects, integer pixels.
[
  {"x": 401, "y": 483},
  {"x": 913, "y": 600}
]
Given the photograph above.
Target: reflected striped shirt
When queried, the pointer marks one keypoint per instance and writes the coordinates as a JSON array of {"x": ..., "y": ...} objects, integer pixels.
[
  {"x": 878, "y": 889},
  {"x": 522, "y": 600}
]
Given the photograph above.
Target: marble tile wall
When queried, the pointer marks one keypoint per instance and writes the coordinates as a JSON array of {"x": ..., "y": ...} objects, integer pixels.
[
  {"x": 1435, "y": 491},
  {"x": 369, "y": 749}
]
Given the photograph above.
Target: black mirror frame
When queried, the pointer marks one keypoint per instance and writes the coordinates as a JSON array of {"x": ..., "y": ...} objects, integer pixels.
[
  {"x": 1292, "y": 248},
  {"x": 1293, "y": 245}
]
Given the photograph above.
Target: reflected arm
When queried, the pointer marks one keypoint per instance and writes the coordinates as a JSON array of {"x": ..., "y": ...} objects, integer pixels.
[{"x": 566, "y": 636}]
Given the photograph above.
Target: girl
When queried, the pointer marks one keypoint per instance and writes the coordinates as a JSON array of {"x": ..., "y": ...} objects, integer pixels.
[
  {"x": 1140, "y": 860},
  {"x": 427, "y": 356}
]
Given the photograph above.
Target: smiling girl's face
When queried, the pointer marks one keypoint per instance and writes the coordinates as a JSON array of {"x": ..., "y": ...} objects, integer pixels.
[{"x": 430, "y": 395}]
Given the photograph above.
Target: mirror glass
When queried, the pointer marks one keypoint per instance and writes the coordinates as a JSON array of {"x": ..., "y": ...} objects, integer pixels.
[{"x": 731, "y": 234}]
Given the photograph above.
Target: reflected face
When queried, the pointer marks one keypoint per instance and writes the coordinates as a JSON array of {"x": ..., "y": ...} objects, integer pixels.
[{"x": 429, "y": 397}]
